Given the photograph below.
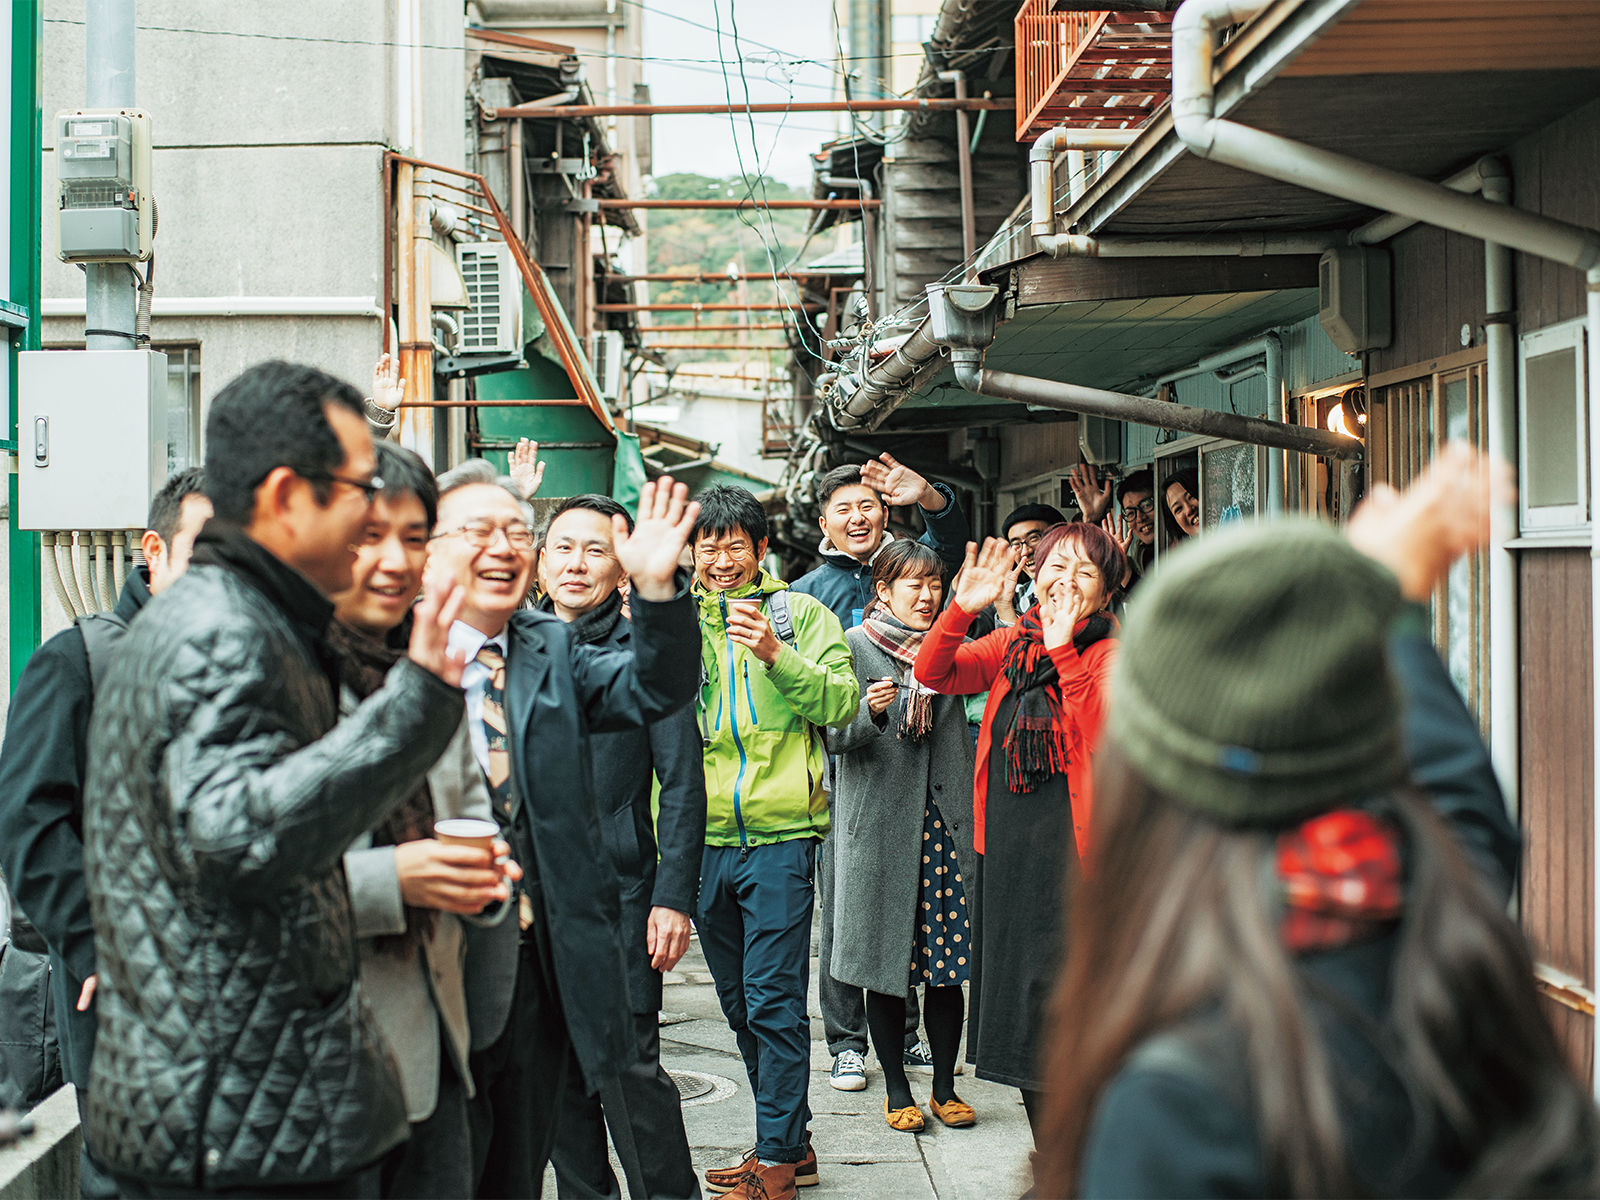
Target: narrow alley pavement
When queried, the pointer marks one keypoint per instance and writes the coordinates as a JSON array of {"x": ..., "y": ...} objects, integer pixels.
[{"x": 859, "y": 1156}]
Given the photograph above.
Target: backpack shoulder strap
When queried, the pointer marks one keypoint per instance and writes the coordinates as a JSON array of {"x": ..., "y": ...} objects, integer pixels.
[
  {"x": 101, "y": 633},
  {"x": 782, "y": 619}
]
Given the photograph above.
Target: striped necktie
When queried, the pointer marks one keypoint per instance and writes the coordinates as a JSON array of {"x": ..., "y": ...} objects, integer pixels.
[
  {"x": 494, "y": 731},
  {"x": 494, "y": 727}
]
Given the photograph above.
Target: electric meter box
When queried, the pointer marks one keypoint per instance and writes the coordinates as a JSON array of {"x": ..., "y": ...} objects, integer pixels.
[
  {"x": 105, "y": 212},
  {"x": 1353, "y": 297},
  {"x": 91, "y": 437}
]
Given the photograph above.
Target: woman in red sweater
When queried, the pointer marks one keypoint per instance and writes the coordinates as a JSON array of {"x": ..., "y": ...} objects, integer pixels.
[{"x": 1047, "y": 680}]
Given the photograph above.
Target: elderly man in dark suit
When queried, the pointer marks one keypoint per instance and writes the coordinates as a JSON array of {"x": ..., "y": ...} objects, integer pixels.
[
  {"x": 547, "y": 992},
  {"x": 580, "y": 578}
]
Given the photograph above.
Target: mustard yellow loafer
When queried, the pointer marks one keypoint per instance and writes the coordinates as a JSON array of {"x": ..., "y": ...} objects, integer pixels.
[
  {"x": 957, "y": 1114},
  {"x": 906, "y": 1120}
]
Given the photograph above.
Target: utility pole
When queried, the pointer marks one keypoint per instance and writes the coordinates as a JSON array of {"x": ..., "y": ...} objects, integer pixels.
[{"x": 110, "y": 302}]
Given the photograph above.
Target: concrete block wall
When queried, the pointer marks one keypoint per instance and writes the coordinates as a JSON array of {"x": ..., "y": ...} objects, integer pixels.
[{"x": 270, "y": 126}]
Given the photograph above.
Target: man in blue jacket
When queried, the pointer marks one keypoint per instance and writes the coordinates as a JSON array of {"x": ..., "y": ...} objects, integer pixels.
[{"x": 855, "y": 505}]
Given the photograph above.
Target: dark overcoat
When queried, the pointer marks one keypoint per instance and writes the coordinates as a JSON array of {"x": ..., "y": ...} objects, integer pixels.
[
  {"x": 883, "y": 783},
  {"x": 657, "y": 857},
  {"x": 558, "y": 693}
]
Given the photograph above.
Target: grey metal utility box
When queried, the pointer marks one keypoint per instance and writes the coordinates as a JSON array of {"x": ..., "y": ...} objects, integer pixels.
[{"x": 91, "y": 437}]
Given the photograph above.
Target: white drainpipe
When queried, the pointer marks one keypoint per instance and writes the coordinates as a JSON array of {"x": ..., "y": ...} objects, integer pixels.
[
  {"x": 1208, "y": 136},
  {"x": 1041, "y": 201}
]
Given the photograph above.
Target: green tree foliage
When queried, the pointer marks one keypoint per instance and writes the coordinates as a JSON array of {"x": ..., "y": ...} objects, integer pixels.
[{"x": 688, "y": 240}]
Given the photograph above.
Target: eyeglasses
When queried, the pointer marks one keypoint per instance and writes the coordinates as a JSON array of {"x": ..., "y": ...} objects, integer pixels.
[
  {"x": 1027, "y": 541},
  {"x": 1145, "y": 507},
  {"x": 481, "y": 534},
  {"x": 368, "y": 488},
  {"x": 709, "y": 552}
]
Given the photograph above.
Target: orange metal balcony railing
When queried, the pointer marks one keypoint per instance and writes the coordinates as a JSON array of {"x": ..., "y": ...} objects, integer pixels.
[{"x": 1098, "y": 69}]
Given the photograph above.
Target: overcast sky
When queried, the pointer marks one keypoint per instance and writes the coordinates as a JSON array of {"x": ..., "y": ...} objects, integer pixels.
[{"x": 772, "y": 35}]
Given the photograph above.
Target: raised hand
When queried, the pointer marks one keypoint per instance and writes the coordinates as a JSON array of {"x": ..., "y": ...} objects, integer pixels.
[
  {"x": 527, "y": 472},
  {"x": 1119, "y": 532},
  {"x": 442, "y": 598},
  {"x": 1094, "y": 498},
  {"x": 649, "y": 556},
  {"x": 899, "y": 485},
  {"x": 1005, "y": 609},
  {"x": 388, "y": 389},
  {"x": 983, "y": 575},
  {"x": 1060, "y": 612},
  {"x": 1445, "y": 513}
]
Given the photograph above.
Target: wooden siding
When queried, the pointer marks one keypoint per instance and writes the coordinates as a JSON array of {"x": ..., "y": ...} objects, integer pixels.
[
  {"x": 1064, "y": 280},
  {"x": 1465, "y": 35},
  {"x": 1438, "y": 288},
  {"x": 1553, "y": 173},
  {"x": 1029, "y": 450},
  {"x": 1556, "y": 777}
]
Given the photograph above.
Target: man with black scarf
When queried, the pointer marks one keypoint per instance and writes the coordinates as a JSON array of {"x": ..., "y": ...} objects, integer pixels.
[
  {"x": 235, "y": 1053},
  {"x": 580, "y": 577}
]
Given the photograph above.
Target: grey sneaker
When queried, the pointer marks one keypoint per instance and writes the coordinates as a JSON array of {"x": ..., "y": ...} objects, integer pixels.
[
  {"x": 849, "y": 1072},
  {"x": 920, "y": 1058}
]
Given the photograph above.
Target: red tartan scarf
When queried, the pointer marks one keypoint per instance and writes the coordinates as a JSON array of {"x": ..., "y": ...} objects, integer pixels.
[
  {"x": 1036, "y": 743},
  {"x": 1341, "y": 879}
]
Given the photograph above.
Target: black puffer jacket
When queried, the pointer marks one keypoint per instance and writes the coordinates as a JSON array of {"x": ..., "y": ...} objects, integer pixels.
[{"x": 234, "y": 1047}]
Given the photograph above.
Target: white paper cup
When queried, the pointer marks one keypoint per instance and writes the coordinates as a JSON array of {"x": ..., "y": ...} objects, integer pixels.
[{"x": 466, "y": 831}]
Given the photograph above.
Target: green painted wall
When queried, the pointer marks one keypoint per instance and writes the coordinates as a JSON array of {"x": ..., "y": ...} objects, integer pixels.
[
  {"x": 569, "y": 470},
  {"x": 27, "y": 141}
]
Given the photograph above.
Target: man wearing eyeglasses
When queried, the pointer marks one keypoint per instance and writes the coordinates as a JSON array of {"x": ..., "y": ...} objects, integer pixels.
[
  {"x": 1136, "y": 533},
  {"x": 547, "y": 993},
  {"x": 1023, "y": 529},
  {"x": 235, "y": 1053}
]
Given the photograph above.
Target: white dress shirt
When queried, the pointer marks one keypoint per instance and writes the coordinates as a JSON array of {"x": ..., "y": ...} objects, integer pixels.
[{"x": 466, "y": 640}]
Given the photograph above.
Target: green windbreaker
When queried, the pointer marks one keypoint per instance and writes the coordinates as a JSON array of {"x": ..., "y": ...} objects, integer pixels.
[{"x": 765, "y": 756}]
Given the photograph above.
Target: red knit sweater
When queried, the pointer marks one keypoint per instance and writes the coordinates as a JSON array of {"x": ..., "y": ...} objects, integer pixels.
[{"x": 947, "y": 664}]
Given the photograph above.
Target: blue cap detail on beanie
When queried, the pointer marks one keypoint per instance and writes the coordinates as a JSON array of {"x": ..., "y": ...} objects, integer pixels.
[{"x": 1237, "y": 760}]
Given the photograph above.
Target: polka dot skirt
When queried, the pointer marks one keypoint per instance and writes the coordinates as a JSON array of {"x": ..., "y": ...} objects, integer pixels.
[{"x": 941, "y": 941}]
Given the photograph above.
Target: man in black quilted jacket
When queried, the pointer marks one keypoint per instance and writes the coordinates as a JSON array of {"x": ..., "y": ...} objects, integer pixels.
[{"x": 235, "y": 1053}]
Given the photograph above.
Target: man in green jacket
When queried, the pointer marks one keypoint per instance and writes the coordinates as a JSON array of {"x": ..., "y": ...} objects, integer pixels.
[{"x": 777, "y": 669}]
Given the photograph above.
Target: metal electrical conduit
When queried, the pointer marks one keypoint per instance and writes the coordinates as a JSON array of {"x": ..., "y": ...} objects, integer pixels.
[
  {"x": 1493, "y": 220},
  {"x": 90, "y": 581}
]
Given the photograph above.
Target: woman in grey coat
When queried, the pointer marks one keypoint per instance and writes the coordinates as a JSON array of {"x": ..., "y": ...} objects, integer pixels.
[{"x": 902, "y": 814}]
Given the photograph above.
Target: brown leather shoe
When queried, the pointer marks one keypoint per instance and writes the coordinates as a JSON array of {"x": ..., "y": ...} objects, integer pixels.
[
  {"x": 761, "y": 1182},
  {"x": 725, "y": 1179},
  {"x": 957, "y": 1114}
]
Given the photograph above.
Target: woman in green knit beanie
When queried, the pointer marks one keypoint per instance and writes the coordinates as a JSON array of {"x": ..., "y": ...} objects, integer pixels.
[{"x": 1290, "y": 970}]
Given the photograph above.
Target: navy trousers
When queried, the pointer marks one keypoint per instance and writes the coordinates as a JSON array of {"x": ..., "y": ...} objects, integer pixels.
[{"x": 755, "y": 931}]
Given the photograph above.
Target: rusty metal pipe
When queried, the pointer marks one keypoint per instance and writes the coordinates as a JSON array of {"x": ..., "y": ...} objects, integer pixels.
[
  {"x": 682, "y": 329},
  {"x": 762, "y": 305},
  {"x": 668, "y": 277},
  {"x": 715, "y": 346},
  {"x": 752, "y": 204},
  {"x": 925, "y": 104}
]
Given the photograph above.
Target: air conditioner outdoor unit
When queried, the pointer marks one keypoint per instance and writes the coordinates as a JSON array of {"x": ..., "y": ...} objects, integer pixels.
[
  {"x": 1353, "y": 295},
  {"x": 1099, "y": 439},
  {"x": 493, "y": 325},
  {"x": 606, "y": 362}
]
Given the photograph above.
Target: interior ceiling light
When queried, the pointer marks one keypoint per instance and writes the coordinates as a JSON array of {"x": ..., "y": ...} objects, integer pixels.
[{"x": 1338, "y": 424}]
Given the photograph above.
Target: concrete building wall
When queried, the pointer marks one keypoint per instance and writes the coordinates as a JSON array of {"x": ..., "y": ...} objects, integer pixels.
[{"x": 270, "y": 124}]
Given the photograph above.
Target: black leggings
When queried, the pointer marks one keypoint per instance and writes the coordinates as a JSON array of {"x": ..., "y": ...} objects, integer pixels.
[{"x": 942, "y": 1013}]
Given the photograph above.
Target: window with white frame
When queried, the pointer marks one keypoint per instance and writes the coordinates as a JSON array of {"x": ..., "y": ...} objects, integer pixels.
[{"x": 1554, "y": 430}]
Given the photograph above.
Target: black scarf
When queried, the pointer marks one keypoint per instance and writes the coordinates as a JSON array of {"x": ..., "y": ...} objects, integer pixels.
[
  {"x": 596, "y": 624},
  {"x": 1036, "y": 743},
  {"x": 225, "y": 544},
  {"x": 364, "y": 662}
]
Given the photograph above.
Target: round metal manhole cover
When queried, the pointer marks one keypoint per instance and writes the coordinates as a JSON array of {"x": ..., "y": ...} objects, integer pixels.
[{"x": 695, "y": 1087}]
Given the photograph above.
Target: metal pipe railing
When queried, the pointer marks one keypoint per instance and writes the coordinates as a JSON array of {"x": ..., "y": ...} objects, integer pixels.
[
  {"x": 846, "y": 205},
  {"x": 918, "y": 104}
]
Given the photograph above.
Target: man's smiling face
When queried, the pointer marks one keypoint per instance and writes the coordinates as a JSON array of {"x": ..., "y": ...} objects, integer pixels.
[
  {"x": 493, "y": 576},
  {"x": 854, "y": 518}
]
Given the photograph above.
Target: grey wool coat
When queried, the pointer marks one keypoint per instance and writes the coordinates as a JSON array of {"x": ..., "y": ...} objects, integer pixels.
[
  {"x": 411, "y": 998},
  {"x": 883, "y": 782}
]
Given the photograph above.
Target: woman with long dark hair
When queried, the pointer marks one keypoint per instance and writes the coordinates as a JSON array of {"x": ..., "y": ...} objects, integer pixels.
[
  {"x": 1046, "y": 677},
  {"x": 1290, "y": 969},
  {"x": 902, "y": 808},
  {"x": 1180, "y": 505}
]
